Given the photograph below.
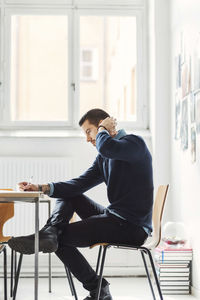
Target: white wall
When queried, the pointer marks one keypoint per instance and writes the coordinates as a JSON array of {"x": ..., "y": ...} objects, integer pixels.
[
  {"x": 185, "y": 176},
  {"x": 159, "y": 92}
]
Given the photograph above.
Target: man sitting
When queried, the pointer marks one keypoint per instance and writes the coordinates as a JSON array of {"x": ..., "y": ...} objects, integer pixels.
[{"x": 124, "y": 164}]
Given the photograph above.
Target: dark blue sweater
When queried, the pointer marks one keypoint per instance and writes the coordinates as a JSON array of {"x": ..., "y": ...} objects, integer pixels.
[{"x": 125, "y": 165}]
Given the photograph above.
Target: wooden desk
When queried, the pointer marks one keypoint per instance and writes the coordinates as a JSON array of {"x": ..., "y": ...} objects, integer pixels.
[{"x": 29, "y": 197}]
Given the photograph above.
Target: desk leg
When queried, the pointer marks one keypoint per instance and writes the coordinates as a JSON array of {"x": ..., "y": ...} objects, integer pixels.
[
  {"x": 50, "y": 275},
  {"x": 36, "y": 247}
]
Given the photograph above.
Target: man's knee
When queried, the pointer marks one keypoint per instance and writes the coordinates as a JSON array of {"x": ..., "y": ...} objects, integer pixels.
[{"x": 62, "y": 212}]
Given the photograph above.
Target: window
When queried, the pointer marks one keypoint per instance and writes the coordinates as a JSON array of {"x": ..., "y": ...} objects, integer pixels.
[
  {"x": 60, "y": 63},
  {"x": 114, "y": 66},
  {"x": 39, "y": 68}
]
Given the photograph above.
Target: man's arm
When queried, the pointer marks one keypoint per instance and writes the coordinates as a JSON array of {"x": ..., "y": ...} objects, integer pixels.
[
  {"x": 128, "y": 148},
  {"x": 79, "y": 185},
  {"x": 73, "y": 187}
]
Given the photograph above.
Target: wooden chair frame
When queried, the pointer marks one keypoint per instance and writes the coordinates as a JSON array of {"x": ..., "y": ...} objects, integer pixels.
[{"x": 144, "y": 249}]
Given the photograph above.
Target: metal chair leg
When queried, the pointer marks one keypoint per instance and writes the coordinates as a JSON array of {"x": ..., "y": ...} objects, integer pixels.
[
  {"x": 11, "y": 273},
  {"x": 5, "y": 273},
  {"x": 154, "y": 273},
  {"x": 17, "y": 276},
  {"x": 101, "y": 273},
  {"x": 15, "y": 263},
  {"x": 98, "y": 259},
  {"x": 148, "y": 275},
  {"x": 50, "y": 273},
  {"x": 71, "y": 283}
]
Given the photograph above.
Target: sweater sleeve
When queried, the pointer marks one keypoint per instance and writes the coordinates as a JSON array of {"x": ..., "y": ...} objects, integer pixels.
[
  {"x": 79, "y": 185},
  {"x": 129, "y": 148}
]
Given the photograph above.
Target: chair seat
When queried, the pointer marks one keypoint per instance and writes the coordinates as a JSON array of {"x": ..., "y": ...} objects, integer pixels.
[
  {"x": 1, "y": 248},
  {"x": 5, "y": 239},
  {"x": 125, "y": 246}
]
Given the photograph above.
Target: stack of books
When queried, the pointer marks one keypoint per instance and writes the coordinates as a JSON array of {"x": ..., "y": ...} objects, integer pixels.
[{"x": 173, "y": 269}]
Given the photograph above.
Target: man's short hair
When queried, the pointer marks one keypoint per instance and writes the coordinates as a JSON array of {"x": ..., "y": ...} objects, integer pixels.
[{"x": 94, "y": 116}]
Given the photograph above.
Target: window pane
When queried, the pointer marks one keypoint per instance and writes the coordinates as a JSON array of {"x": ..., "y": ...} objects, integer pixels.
[
  {"x": 39, "y": 68},
  {"x": 113, "y": 42}
]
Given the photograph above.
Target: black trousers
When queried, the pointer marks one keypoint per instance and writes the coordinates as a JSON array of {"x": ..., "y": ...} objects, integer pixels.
[{"x": 96, "y": 225}]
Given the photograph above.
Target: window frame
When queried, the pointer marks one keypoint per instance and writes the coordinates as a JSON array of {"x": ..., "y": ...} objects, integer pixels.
[{"x": 74, "y": 13}]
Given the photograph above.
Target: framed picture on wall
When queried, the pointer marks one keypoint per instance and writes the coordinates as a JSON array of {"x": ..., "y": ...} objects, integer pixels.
[
  {"x": 184, "y": 124},
  {"x": 197, "y": 101},
  {"x": 177, "y": 117},
  {"x": 193, "y": 144},
  {"x": 192, "y": 108},
  {"x": 186, "y": 77},
  {"x": 178, "y": 71}
]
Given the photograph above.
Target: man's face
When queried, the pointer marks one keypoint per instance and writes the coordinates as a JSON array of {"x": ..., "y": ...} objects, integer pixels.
[{"x": 90, "y": 131}]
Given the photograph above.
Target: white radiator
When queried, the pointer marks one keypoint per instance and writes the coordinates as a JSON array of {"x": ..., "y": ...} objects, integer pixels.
[{"x": 43, "y": 170}]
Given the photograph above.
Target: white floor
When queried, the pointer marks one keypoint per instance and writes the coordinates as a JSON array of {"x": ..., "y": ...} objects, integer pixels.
[{"x": 121, "y": 289}]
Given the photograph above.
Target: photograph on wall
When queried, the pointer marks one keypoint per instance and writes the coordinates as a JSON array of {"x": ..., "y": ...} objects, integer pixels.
[
  {"x": 177, "y": 117},
  {"x": 197, "y": 101},
  {"x": 184, "y": 124},
  {"x": 192, "y": 108},
  {"x": 193, "y": 144},
  {"x": 186, "y": 77},
  {"x": 178, "y": 71}
]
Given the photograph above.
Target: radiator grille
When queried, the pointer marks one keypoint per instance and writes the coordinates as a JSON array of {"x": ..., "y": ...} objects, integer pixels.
[{"x": 43, "y": 170}]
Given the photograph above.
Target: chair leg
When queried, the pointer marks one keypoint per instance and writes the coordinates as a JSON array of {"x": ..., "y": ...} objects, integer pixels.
[
  {"x": 154, "y": 273},
  {"x": 11, "y": 272},
  {"x": 17, "y": 276},
  {"x": 5, "y": 273},
  {"x": 15, "y": 263},
  {"x": 101, "y": 273},
  {"x": 71, "y": 283},
  {"x": 98, "y": 259},
  {"x": 50, "y": 276},
  {"x": 148, "y": 275}
]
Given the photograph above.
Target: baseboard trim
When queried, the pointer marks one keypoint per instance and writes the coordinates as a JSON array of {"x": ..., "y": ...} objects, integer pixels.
[
  {"x": 195, "y": 292},
  {"x": 111, "y": 269},
  {"x": 58, "y": 271}
]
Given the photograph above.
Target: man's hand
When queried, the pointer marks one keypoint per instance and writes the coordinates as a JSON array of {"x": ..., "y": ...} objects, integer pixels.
[
  {"x": 110, "y": 124},
  {"x": 26, "y": 186}
]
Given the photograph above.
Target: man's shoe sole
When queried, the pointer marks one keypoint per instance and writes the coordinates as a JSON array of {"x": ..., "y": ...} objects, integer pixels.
[
  {"x": 25, "y": 246},
  {"x": 105, "y": 298}
]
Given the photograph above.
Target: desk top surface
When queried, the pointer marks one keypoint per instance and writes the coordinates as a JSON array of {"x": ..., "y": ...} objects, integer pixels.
[{"x": 16, "y": 194}]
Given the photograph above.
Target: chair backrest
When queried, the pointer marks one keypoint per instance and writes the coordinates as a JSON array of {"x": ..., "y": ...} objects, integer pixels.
[
  {"x": 158, "y": 208},
  {"x": 6, "y": 213}
]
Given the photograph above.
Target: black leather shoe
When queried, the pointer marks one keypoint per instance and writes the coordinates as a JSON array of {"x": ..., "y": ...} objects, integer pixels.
[
  {"x": 26, "y": 244},
  {"x": 104, "y": 294}
]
